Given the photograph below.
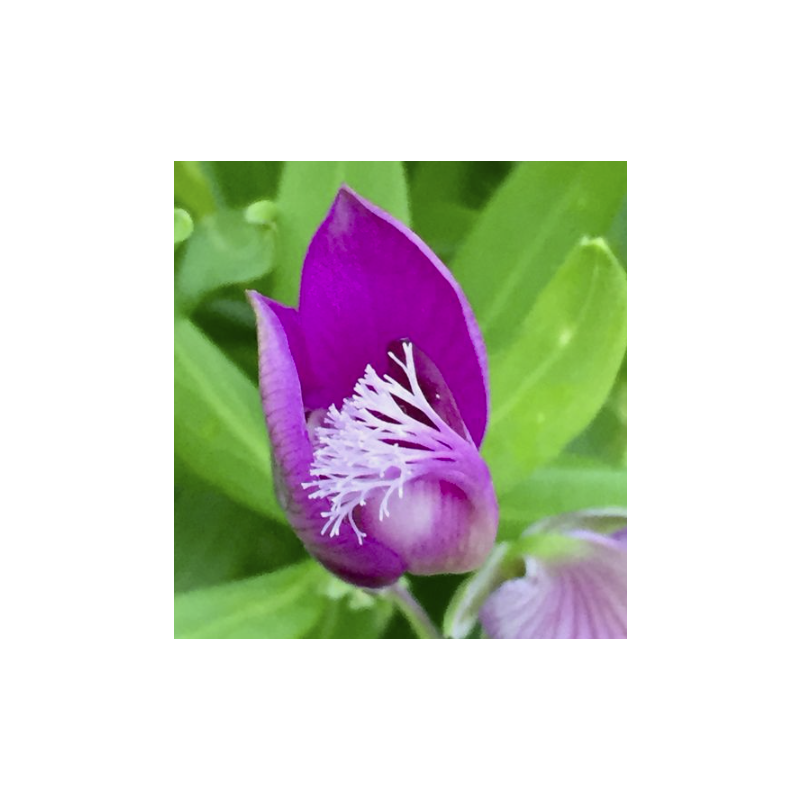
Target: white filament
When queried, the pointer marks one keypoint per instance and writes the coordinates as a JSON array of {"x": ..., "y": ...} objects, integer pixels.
[{"x": 357, "y": 451}]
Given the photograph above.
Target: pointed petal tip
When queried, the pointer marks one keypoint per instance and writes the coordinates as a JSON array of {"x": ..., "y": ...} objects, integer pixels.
[
  {"x": 348, "y": 199},
  {"x": 349, "y": 205},
  {"x": 367, "y": 280},
  {"x": 254, "y": 298},
  {"x": 346, "y": 196},
  {"x": 347, "y": 192},
  {"x": 261, "y": 303}
]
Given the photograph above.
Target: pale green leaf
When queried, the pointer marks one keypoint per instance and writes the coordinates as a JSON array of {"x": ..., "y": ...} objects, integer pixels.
[
  {"x": 192, "y": 189},
  {"x": 279, "y": 605},
  {"x": 617, "y": 235},
  {"x": 305, "y": 195},
  {"x": 526, "y": 231},
  {"x": 606, "y": 438},
  {"x": 225, "y": 250},
  {"x": 549, "y": 384},
  {"x": 219, "y": 424},
  {"x": 567, "y": 485}
]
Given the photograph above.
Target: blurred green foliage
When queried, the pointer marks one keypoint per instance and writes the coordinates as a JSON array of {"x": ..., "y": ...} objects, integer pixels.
[{"x": 539, "y": 248}]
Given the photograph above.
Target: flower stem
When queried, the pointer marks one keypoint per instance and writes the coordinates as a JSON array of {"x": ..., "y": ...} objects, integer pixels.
[{"x": 413, "y": 612}]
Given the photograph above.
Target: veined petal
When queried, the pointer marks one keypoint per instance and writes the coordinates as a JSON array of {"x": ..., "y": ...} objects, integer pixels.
[
  {"x": 436, "y": 525},
  {"x": 578, "y": 592},
  {"x": 368, "y": 281},
  {"x": 279, "y": 343},
  {"x": 282, "y": 400}
]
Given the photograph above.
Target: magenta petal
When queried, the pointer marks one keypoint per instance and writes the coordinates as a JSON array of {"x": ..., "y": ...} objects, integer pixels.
[
  {"x": 289, "y": 319},
  {"x": 279, "y": 342},
  {"x": 436, "y": 526},
  {"x": 370, "y": 564},
  {"x": 367, "y": 281},
  {"x": 579, "y": 596}
]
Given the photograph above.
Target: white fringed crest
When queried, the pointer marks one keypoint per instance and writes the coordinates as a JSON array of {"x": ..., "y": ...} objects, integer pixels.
[{"x": 372, "y": 446}]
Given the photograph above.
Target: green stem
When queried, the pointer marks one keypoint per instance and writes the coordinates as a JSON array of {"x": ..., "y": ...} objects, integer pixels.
[{"x": 413, "y": 612}]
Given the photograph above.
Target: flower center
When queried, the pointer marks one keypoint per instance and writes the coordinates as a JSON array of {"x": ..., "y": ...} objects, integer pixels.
[{"x": 385, "y": 435}]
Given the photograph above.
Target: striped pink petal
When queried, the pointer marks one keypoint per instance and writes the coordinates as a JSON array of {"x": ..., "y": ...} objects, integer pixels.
[{"x": 579, "y": 594}]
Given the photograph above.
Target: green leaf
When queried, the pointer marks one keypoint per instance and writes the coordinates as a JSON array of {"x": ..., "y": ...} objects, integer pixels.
[
  {"x": 438, "y": 181},
  {"x": 441, "y": 218},
  {"x": 219, "y": 424},
  {"x": 225, "y": 250},
  {"x": 443, "y": 226},
  {"x": 617, "y": 235},
  {"x": 551, "y": 382},
  {"x": 483, "y": 180},
  {"x": 462, "y": 612},
  {"x": 525, "y": 233},
  {"x": 342, "y": 621},
  {"x": 237, "y": 183},
  {"x": 227, "y": 319},
  {"x": 565, "y": 486},
  {"x": 183, "y": 226},
  {"x": 192, "y": 190},
  {"x": 606, "y": 438},
  {"x": 306, "y": 192},
  {"x": 217, "y": 540},
  {"x": 279, "y": 605}
]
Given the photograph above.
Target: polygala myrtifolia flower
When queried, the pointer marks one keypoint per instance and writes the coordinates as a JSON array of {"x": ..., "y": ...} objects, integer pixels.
[
  {"x": 375, "y": 392},
  {"x": 564, "y": 578}
]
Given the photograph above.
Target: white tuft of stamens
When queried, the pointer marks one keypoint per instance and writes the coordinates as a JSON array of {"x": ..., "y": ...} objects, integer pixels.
[{"x": 357, "y": 452}]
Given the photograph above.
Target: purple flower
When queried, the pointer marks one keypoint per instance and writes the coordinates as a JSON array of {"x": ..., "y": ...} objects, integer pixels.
[
  {"x": 574, "y": 589},
  {"x": 375, "y": 392}
]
